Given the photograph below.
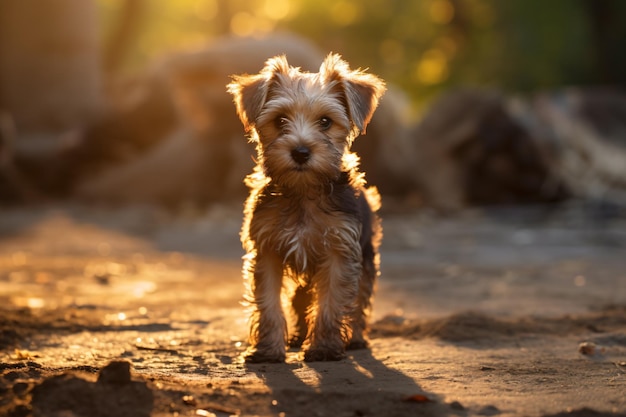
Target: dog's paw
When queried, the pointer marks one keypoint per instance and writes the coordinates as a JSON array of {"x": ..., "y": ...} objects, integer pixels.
[
  {"x": 296, "y": 341},
  {"x": 323, "y": 354},
  {"x": 258, "y": 356}
]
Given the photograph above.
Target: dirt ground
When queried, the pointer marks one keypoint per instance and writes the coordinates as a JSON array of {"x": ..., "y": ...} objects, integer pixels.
[{"x": 136, "y": 312}]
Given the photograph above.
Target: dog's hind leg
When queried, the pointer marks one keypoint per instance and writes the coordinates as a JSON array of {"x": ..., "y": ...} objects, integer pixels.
[
  {"x": 359, "y": 316},
  {"x": 300, "y": 305}
]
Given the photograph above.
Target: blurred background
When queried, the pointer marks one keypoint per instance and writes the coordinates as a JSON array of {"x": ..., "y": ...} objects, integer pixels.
[
  {"x": 424, "y": 47},
  {"x": 489, "y": 102}
]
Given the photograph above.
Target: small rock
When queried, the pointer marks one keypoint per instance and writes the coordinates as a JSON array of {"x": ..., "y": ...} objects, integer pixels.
[
  {"x": 455, "y": 405},
  {"x": 189, "y": 400},
  {"x": 226, "y": 360},
  {"x": 205, "y": 413},
  {"x": 488, "y": 410},
  {"x": 590, "y": 349},
  {"x": 116, "y": 372},
  {"x": 32, "y": 364},
  {"x": 70, "y": 395},
  {"x": 14, "y": 375},
  {"x": 17, "y": 365},
  {"x": 20, "y": 410},
  {"x": 587, "y": 348},
  {"x": 20, "y": 388},
  {"x": 417, "y": 398}
]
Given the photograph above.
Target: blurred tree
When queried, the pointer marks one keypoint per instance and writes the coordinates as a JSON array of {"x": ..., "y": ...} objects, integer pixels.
[
  {"x": 123, "y": 35},
  {"x": 49, "y": 63},
  {"x": 424, "y": 47},
  {"x": 608, "y": 37}
]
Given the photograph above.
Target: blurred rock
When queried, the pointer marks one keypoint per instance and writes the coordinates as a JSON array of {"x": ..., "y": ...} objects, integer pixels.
[
  {"x": 584, "y": 131},
  {"x": 477, "y": 147},
  {"x": 172, "y": 137},
  {"x": 174, "y": 134},
  {"x": 72, "y": 395},
  {"x": 116, "y": 372},
  {"x": 177, "y": 136},
  {"x": 50, "y": 77},
  {"x": 470, "y": 151}
]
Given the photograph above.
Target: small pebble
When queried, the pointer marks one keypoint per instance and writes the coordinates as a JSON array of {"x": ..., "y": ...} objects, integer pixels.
[
  {"x": 116, "y": 372},
  {"x": 455, "y": 405},
  {"x": 20, "y": 388},
  {"x": 189, "y": 400},
  {"x": 488, "y": 410},
  {"x": 20, "y": 410},
  {"x": 587, "y": 348},
  {"x": 32, "y": 364}
]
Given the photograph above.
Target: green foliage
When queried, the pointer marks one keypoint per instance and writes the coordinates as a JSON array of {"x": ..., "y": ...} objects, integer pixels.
[{"x": 422, "y": 46}]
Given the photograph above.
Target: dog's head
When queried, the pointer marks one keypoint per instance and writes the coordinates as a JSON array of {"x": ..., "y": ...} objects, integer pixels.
[{"x": 304, "y": 123}]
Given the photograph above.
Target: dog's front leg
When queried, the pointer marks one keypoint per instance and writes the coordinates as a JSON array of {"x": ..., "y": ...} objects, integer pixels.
[
  {"x": 336, "y": 284},
  {"x": 268, "y": 328}
]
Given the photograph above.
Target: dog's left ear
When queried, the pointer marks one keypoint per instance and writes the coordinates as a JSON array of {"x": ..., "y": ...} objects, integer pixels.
[{"x": 361, "y": 90}]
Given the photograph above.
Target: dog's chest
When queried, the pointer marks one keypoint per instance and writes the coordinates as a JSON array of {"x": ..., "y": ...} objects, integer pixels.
[
  {"x": 302, "y": 238},
  {"x": 302, "y": 235}
]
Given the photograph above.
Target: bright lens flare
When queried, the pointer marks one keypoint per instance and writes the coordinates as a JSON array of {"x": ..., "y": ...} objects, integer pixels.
[
  {"x": 276, "y": 9},
  {"x": 432, "y": 68}
]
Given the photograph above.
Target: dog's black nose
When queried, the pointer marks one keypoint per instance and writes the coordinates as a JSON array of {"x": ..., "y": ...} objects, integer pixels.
[{"x": 301, "y": 154}]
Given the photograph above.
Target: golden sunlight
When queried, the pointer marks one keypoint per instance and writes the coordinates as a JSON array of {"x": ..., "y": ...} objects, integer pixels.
[
  {"x": 19, "y": 258},
  {"x": 242, "y": 24},
  {"x": 447, "y": 45},
  {"x": 391, "y": 51},
  {"x": 247, "y": 24},
  {"x": 206, "y": 9},
  {"x": 30, "y": 302},
  {"x": 276, "y": 9},
  {"x": 432, "y": 67},
  {"x": 344, "y": 13},
  {"x": 441, "y": 11}
]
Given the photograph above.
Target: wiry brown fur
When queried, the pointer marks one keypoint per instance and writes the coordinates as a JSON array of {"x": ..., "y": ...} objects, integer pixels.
[{"x": 309, "y": 216}]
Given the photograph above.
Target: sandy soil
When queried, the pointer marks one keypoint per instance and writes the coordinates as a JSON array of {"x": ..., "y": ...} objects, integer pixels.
[{"x": 135, "y": 312}]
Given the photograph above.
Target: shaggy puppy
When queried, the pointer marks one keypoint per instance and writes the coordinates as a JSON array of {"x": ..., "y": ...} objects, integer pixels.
[{"x": 309, "y": 216}]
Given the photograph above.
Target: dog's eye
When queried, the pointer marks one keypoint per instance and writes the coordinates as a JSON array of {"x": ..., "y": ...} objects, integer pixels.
[
  {"x": 325, "y": 123},
  {"x": 280, "y": 122}
]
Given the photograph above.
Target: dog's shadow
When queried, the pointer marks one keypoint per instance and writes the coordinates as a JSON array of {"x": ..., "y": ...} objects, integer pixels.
[{"x": 359, "y": 385}]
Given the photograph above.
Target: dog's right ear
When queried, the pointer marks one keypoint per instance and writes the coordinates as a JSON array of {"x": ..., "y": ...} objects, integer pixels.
[{"x": 250, "y": 91}]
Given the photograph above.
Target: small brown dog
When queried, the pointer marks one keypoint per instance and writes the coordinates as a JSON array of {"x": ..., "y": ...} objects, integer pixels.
[{"x": 309, "y": 216}]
